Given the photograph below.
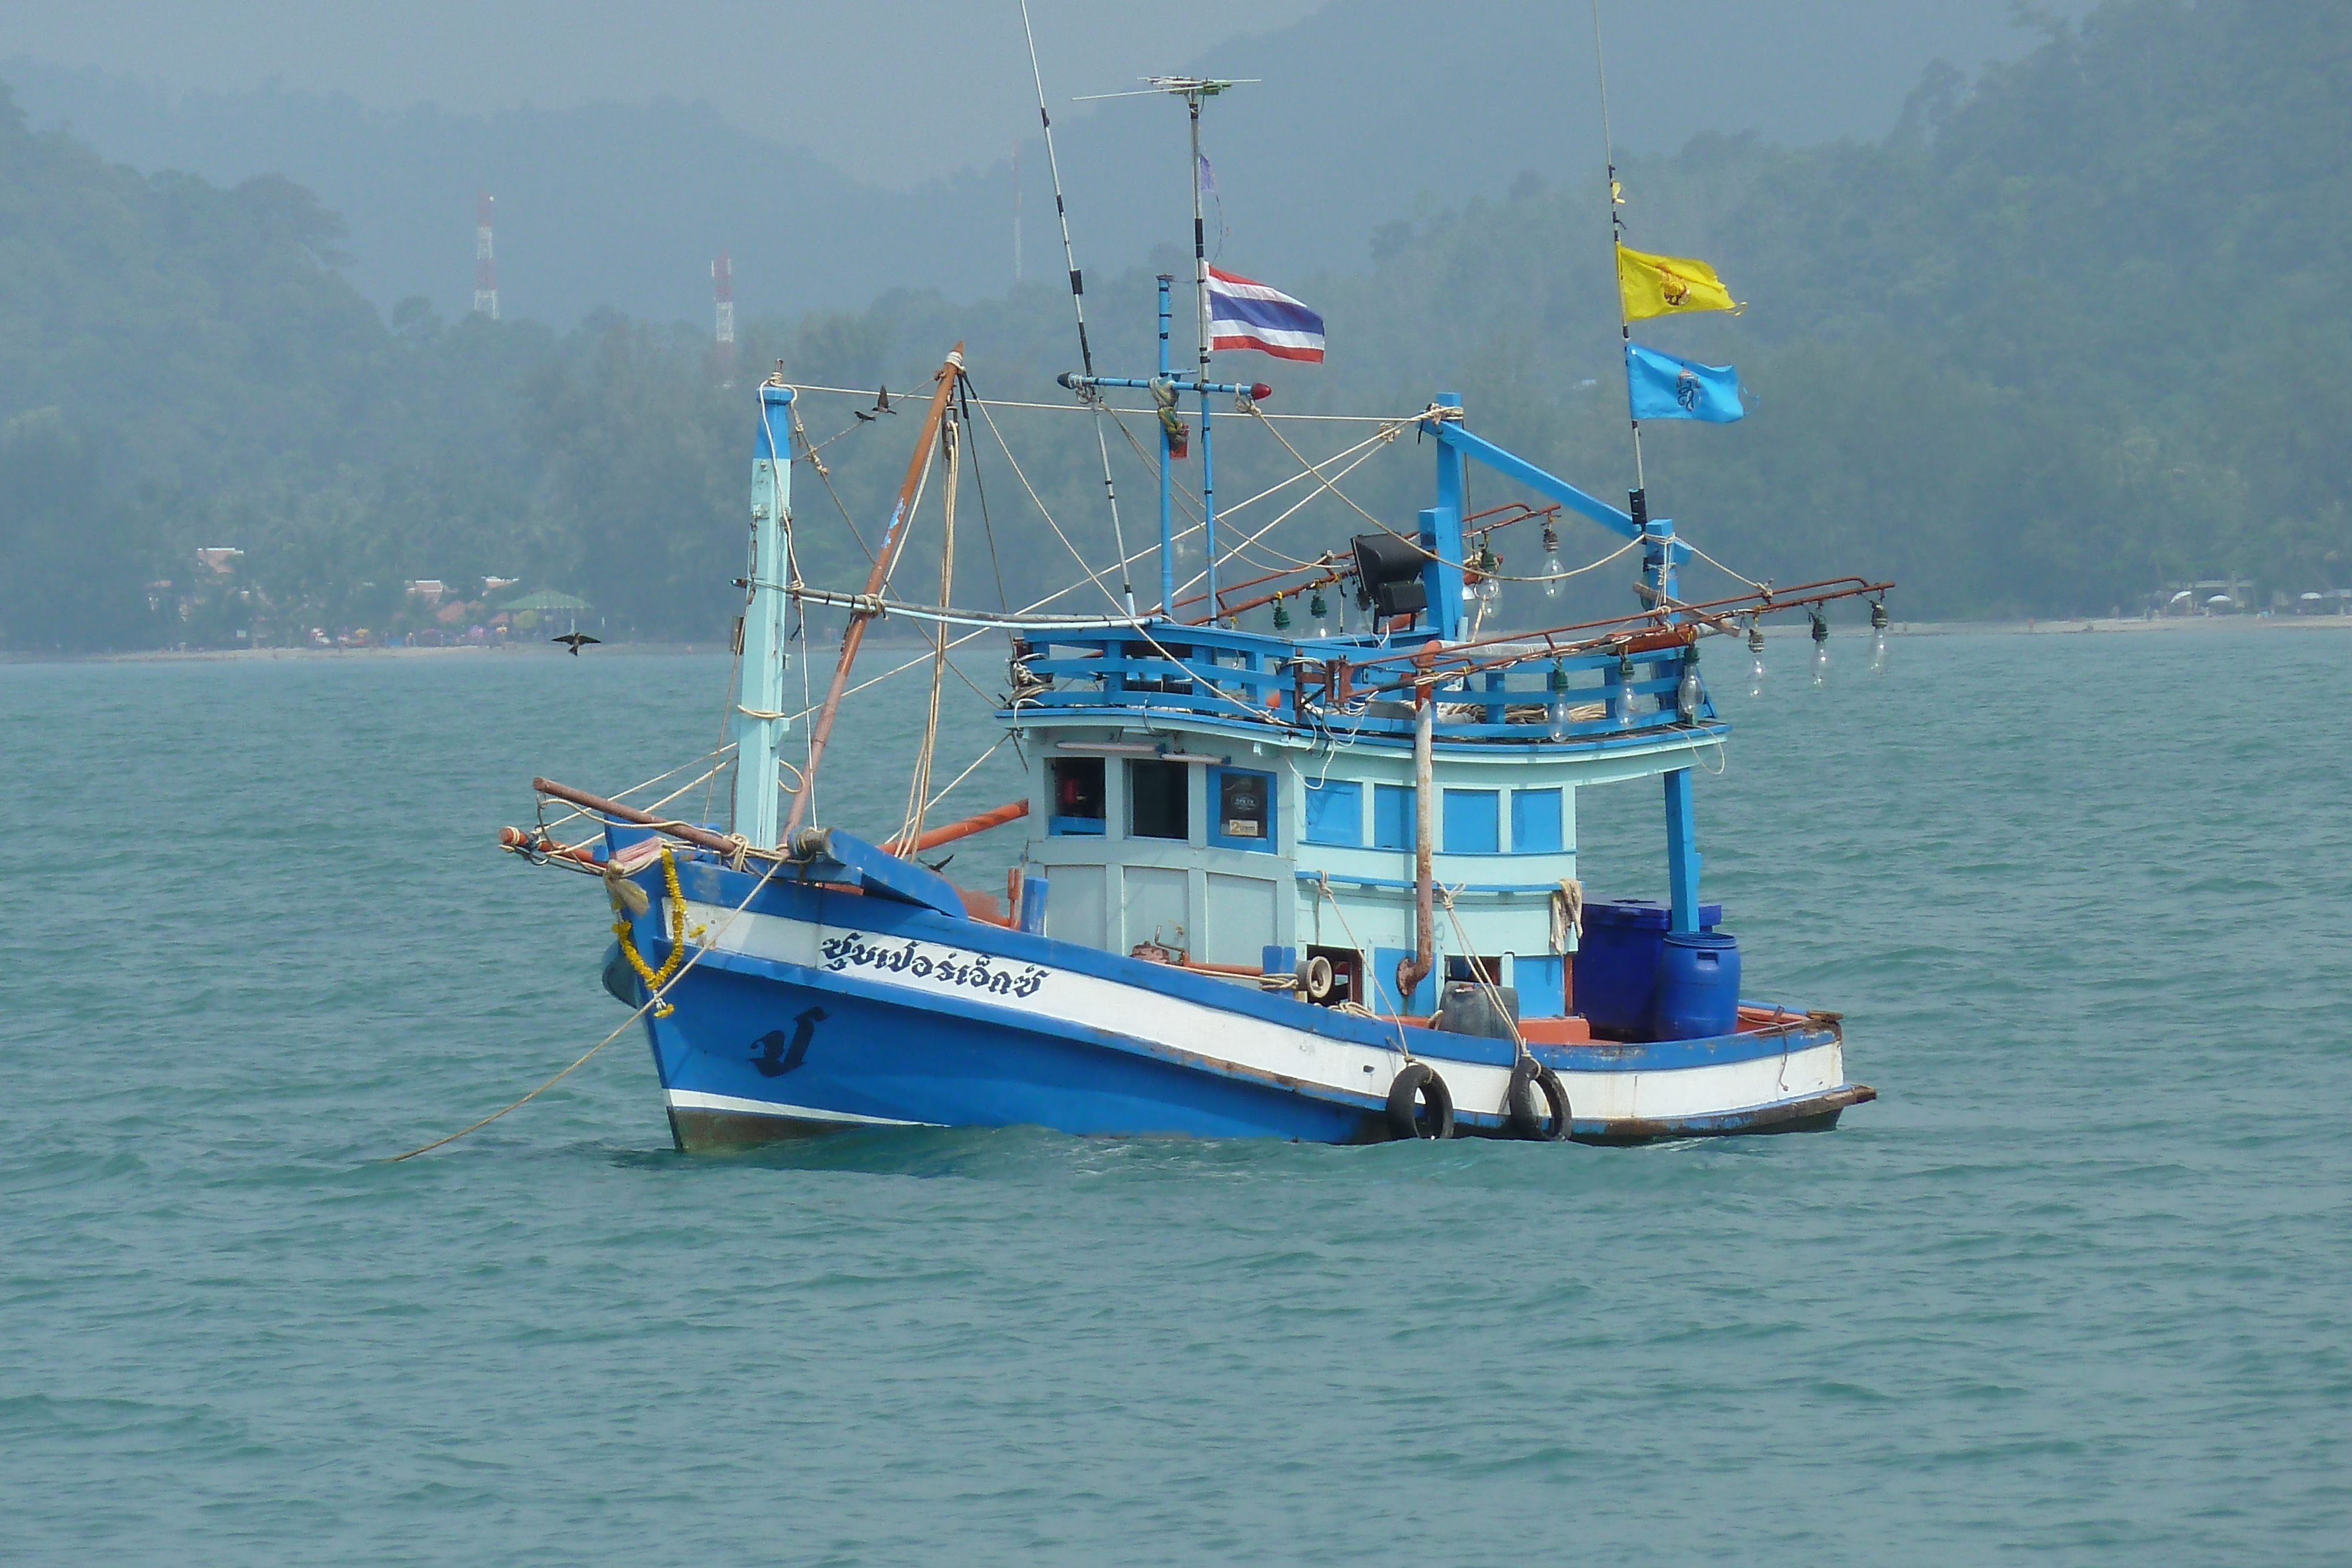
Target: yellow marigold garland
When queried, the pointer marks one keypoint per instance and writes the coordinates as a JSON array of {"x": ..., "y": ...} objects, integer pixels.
[{"x": 655, "y": 979}]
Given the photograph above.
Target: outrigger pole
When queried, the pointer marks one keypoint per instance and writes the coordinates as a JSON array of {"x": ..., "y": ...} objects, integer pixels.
[
  {"x": 1079, "y": 307},
  {"x": 1616, "y": 243},
  {"x": 893, "y": 540}
]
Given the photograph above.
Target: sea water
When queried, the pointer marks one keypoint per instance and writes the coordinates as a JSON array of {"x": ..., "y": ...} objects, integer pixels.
[{"x": 2073, "y": 1291}]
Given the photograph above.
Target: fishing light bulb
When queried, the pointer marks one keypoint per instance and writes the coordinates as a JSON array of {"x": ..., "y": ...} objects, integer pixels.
[
  {"x": 1321, "y": 613},
  {"x": 1878, "y": 637},
  {"x": 1281, "y": 614},
  {"x": 1820, "y": 650},
  {"x": 1624, "y": 691},
  {"x": 1551, "y": 561},
  {"x": 1755, "y": 659},
  {"x": 1489, "y": 563},
  {"x": 1688, "y": 692},
  {"x": 1558, "y": 683}
]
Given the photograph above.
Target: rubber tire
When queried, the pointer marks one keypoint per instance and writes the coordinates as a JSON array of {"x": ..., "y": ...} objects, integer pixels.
[
  {"x": 1419, "y": 1080},
  {"x": 1526, "y": 1120}
]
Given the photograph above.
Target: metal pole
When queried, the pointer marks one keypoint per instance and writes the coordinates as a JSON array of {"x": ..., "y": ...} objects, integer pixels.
[
  {"x": 1201, "y": 294},
  {"x": 1411, "y": 971},
  {"x": 1208, "y": 502},
  {"x": 1166, "y": 515}
]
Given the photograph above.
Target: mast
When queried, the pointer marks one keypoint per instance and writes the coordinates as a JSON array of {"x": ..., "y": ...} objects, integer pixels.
[
  {"x": 893, "y": 539},
  {"x": 759, "y": 724}
]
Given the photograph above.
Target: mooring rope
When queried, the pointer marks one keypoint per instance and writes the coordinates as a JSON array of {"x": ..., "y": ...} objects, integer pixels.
[{"x": 656, "y": 998}]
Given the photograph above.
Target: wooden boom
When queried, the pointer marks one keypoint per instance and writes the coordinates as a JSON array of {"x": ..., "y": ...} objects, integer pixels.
[{"x": 884, "y": 559}]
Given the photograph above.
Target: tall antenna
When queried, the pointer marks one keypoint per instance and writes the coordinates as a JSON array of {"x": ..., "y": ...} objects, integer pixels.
[
  {"x": 723, "y": 294},
  {"x": 1616, "y": 240},
  {"x": 1192, "y": 90},
  {"x": 1079, "y": 307},
  {"x": 485, "y": 262}
]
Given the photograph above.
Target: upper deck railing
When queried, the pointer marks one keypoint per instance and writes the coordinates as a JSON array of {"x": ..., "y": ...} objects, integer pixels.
[
  {"x": 1357, "y": 685},
  {"x": 1584, "y": 685}
]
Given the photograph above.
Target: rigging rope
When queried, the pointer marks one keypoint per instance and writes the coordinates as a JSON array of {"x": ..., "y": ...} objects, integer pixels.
[
  {"x": 1043, "y": 510},
  {"x": 825, "y": 474},
  {"x": 919, "y": 784}
]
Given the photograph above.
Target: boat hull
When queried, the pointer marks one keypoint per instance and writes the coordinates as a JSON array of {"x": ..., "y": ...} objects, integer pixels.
[{"x": 814, "y": 1008}]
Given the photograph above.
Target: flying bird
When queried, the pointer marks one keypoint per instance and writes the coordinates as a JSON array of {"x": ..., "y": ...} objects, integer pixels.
[{"x": 575, "y": 639}]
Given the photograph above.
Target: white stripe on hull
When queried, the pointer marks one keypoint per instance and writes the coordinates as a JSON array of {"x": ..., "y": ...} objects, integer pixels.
[
  {"x": 695, "y": 1100},
  {"x": 1259, "y": 1047}
]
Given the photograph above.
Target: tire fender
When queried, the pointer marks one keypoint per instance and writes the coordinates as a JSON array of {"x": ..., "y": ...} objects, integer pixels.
[
  {"x": 1434, "y": 1116},
  {"x": 1536, "y": 1092}
]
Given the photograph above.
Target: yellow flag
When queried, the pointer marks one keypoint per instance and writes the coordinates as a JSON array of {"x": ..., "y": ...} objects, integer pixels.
[{"x": 1662, "y": 285}]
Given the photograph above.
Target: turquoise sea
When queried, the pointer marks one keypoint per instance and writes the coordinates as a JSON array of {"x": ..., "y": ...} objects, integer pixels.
[{"x": 2074, "y": 1291}]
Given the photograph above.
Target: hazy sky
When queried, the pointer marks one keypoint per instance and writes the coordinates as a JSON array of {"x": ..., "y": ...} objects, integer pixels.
[{"x": 896, "y": 91}]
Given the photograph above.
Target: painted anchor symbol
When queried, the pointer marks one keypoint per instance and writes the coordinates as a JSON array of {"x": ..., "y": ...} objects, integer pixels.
[{"x": 773, "y": 1057}]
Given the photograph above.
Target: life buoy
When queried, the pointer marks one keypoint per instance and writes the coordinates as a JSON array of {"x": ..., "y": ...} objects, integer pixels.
[
  {"x": 1529, "y": 1079},
  {"x": 1434, "y": 1116}
]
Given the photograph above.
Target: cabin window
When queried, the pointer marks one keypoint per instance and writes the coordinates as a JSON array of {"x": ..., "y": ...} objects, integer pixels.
[
  {"x": 1473, "y": 821},
  {"x": 1242, "y": 809},
  {"x": 1158, "y": 801},
  {"x": 1335, "y": 813},
  {"x": 1484, "y": 969},
  {"x": 1078, "y": 784},
  {"x": 1393, "y": 811},
  {"x": 1535, "y": 821}
]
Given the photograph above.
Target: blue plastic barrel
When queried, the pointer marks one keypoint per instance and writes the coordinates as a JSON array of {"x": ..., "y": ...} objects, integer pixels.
[
  {"x": 1617, "y": 963},
  {"x": 1698, "y": 986},
  {"x": 1034, "y": 889}
]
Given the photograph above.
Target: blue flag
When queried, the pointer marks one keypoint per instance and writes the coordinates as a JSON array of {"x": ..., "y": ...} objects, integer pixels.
[{"x": 1661, "y": 386}]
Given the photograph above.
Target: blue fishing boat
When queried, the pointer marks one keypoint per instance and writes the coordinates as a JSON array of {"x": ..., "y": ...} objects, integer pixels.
[{"x": 1319, "y": 886}]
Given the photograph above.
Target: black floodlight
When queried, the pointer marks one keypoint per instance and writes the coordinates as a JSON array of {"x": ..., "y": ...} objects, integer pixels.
[{"x": 1388, "y": 571}]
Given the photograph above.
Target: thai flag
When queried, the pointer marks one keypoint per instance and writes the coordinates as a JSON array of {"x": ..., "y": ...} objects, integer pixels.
[{"x": 1246, "y": 314}]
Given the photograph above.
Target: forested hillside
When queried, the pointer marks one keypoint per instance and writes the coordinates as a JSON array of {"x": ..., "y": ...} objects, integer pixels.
[{"x": 2065, "y": 333}]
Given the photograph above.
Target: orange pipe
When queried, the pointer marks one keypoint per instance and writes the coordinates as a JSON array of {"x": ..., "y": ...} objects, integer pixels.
[{"x": 995, "y": 817}]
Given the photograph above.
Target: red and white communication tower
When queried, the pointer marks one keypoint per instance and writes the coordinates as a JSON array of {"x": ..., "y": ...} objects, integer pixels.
[
  {"x": 485, "y": 262},
  {"x": 722, "y": 292}
]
